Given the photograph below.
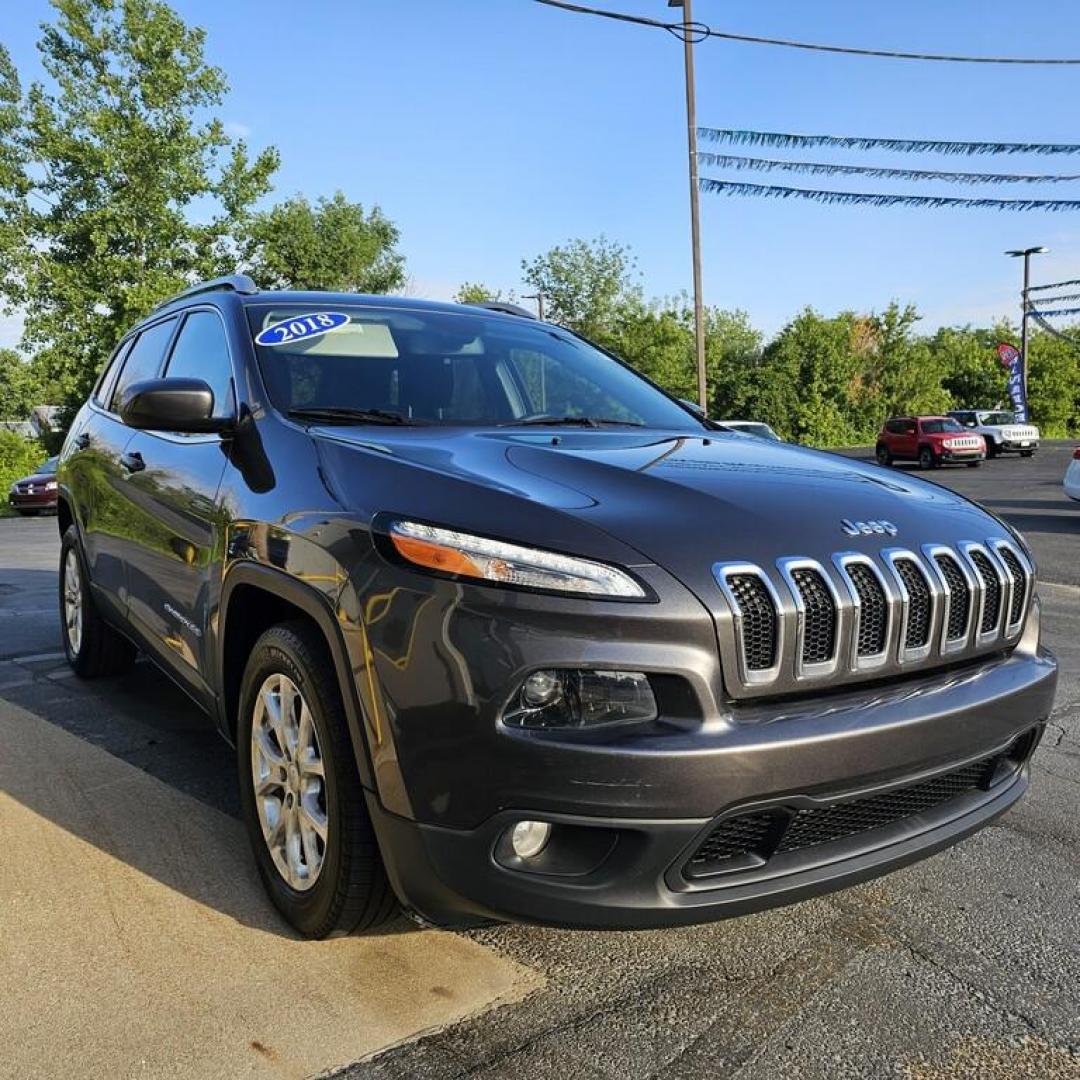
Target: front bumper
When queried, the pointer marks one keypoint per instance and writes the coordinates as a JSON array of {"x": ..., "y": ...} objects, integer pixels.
[
  {"x": 1019, "y": 445},
  {"x": 957, "y": 456},
  {"x": 622, "y": 863},
  {"x": 39, "y": 500}
]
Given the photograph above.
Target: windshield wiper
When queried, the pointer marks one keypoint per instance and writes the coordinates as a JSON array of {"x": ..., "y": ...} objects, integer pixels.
[
  {"x": 342, "y": 414},
  {"x": 576, "y": 421}
]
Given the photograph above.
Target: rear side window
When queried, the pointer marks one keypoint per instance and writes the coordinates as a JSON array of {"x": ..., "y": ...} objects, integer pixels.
[
  {"x": 898, "y": 427},
  {"x": 202, "y": 352},
  {"x": 144, "y": 358},
  {"x": 108, "y": 377}
]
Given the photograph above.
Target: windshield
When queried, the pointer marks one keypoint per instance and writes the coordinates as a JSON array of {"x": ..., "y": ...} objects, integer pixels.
[
  {"x": 996, "y": 418},
  {"x": 329, "y": 360},
  {"x": 939, "y": 427}
]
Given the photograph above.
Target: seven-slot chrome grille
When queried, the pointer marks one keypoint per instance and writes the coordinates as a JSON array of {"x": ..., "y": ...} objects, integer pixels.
[{"x": 857, "y": 615}]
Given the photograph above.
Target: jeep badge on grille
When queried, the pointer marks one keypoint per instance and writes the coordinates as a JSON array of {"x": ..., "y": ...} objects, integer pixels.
[{"x": 868, "y": 528}]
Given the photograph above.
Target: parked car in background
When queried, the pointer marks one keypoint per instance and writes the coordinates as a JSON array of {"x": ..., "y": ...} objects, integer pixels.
[
  {"x": 751, "y": 427},
  {"x": 1072, "y": 476},
  {"x": 999, "y": 428},
  {"x": 929, "y": 440},
  {"x": 36, "y": 493}
]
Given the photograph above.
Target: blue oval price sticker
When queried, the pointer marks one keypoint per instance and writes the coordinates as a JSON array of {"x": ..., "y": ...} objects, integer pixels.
[{"x": 301, "y": 327}]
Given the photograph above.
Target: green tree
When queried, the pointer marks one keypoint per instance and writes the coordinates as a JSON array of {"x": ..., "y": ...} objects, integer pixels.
[
  {"x": 585, "y": 284},
  {"x": 475, "y": 292},
  {"x": 333, "y": 245},
  {"x": 14, "y": 184},
  {"x": 20, "y": 386},
  {"x": 136, "y": 189},
  {"x": 970, "y": 369},
  {"x": 1054, "y": 384}
]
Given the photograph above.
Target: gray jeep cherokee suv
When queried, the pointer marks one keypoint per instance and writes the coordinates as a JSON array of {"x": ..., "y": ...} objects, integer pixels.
[{"x": 500, "y": 630}]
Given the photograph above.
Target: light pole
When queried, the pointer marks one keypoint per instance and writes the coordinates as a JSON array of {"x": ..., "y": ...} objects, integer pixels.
[
  {"x": 1026, "y": 253},
  {"x": 695, "y": 209}
]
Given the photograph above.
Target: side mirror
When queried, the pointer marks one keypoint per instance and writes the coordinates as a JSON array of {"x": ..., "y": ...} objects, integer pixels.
[{"x": 185, "y": 406}]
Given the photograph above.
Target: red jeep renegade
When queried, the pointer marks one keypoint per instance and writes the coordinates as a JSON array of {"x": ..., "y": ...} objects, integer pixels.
[{"x": 929, "y": 440}]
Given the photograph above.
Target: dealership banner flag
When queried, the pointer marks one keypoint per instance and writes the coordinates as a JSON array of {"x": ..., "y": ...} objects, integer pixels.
[{"x": 1013, "y": 362}]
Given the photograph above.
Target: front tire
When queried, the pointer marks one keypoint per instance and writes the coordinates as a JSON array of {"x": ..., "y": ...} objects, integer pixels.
[
  {"x": 926, "y": 458},
  {"x": 92, "y": 647},
  {"x": 303, "y": 805},
  {"x": 1027, "y": 453},
  {"x": 884, "y": 458},
  {"x": 992, "y": 449}
]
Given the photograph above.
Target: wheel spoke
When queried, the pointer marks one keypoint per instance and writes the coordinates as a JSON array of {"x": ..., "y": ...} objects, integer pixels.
[{"x": 314, "y": 819}]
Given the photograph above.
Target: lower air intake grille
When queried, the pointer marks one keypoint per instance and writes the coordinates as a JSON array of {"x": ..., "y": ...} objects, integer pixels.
[
  {"x": 819, "y": 630},
  {"x": 992, "y": 584},
  {"x": 1016, "y": 605},
  {"x": 872, "y": 609},
  {"x": 754, "y": 838},
  {"x": 758, "y": 620},
  {"x": 959, "y": 597},
  {"x": 918, "y": 621}
]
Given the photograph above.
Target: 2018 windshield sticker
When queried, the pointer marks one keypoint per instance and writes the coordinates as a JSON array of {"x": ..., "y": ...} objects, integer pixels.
[{"x": 301, "y": 327}]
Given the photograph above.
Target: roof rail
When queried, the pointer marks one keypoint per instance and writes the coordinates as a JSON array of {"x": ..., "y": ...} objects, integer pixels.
[
  {"x": 506, "y": 308},
  {"x": 239, "y": 283}
]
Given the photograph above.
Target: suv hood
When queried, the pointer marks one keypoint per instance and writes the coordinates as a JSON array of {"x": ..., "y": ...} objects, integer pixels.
[{"x": 687, "y": 501}]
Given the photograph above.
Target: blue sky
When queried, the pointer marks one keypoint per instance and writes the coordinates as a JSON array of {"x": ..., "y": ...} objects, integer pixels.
[{"x": 490, "y": 130}]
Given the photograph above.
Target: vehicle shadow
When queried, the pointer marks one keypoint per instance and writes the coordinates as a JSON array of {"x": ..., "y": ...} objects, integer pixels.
[{"x": 129, "y": 765}]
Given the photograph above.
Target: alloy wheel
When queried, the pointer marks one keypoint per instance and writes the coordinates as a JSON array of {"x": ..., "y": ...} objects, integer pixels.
[
  {"x": 289, "y": 781},
  {"x": 73, "y": 602}
]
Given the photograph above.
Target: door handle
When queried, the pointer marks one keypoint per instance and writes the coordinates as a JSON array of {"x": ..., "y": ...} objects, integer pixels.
[
  {"x": 82, "y": 441},
  {"x": 133, "y": 462}
]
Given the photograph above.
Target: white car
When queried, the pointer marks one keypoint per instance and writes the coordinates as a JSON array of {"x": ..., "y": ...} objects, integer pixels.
[
  {"x": 1000, "y": 430},
  {"x": 752, "y": 427},
  {"x": 1072, "y": 476}
]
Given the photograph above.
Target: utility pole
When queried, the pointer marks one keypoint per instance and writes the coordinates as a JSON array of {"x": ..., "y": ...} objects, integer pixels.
[
  {"x": 1026, "y": 254},
  {"x": 539, "y": 298},
  {"x": 695, "y": 207}
]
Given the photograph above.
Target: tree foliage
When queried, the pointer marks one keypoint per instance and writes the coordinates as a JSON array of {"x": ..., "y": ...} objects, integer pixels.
[
  {"x": 133, "y": 191},
  {"x": 585, "y": 283},
  {"x": 476, "y": 292},
  {"x": 333, "y": 245}
]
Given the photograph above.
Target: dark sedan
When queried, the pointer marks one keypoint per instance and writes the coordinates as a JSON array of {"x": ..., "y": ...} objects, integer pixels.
[{"x": 36, "y": 493}]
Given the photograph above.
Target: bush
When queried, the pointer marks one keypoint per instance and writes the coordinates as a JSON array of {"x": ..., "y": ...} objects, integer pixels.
[{"x": 18, "y": 458}]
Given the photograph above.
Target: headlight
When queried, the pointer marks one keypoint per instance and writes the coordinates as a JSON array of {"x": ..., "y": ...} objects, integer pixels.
[
  {"x": 508, "y": 564},
  {"x": 51, "y": 485}
]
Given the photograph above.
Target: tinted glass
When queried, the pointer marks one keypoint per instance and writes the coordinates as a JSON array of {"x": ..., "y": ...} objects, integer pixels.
[
  {"x": 442, "y": 367},
  {"x": 940, "y": 427},
  {"x": 144, "y": 359},
  {"x": 108, "y": 377},
  {"x": 997, "y": 418},
  {"x": 201, "y": 352},
  {"x": 898, "y": 427}
]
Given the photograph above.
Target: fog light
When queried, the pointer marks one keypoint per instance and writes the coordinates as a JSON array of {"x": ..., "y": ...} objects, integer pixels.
[
  {"x": 581, "y": 699},
  {"x": 529, "y": 838},
  {"x": 540, "y": 689}
]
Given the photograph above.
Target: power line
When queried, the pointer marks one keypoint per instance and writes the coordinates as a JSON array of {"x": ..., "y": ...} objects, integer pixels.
[
  {"x": 851, "y": 198},
  {"x": 790, "y": 140},
  {"x": 700, "y": 31},
  {"x": 733, "y": 161}
]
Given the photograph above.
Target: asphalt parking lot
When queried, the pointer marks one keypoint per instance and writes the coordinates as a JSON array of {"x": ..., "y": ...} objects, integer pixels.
[{"x": 134, "y": 939}]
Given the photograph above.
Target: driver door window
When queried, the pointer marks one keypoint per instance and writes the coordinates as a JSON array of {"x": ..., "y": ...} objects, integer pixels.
[{"x": 202, "y": 352}]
